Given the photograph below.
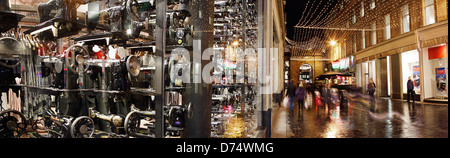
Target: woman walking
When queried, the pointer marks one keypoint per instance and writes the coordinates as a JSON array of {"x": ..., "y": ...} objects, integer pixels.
[{"x": 300, "y": 94}]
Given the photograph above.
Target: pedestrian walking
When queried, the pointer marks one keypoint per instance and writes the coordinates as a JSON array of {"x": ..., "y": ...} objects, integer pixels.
[
  {"x": 410, "y": 86},
  {"x": 301, "y": 94},
  {"x": 291, "y": 94},
  {"x": 318, "y": 99},
  {"x": 371, "y": 88}
]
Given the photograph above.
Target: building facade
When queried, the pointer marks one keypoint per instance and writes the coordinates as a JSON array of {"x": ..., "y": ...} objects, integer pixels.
[{"x": 392, "y": 41}]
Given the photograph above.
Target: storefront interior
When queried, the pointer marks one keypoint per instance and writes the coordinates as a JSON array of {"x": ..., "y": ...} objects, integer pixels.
[
  {"x": 435, "y": 65},
  {"x": 129, "y": 69}
]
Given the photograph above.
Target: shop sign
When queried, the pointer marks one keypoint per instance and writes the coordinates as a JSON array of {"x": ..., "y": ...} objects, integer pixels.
[
  {"x": 437, "y": 52},
  {"x": 336, "y": 65},
  {"x": 416, "y": 70},
  {"x": 343, "y": 64},
  {"x": 416, "y": 76}
]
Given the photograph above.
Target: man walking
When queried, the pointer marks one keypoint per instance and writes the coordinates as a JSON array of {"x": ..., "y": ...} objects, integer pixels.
[
  {"x": 300, "y": 94},
  {"x": 291, "y": 94},
  {"x": 410, "y": 86},
  {"x": 371, "y": 88}
]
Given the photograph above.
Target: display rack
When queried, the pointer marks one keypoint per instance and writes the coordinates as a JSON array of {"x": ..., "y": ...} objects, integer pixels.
[
  {"x": 67, "y": 66},
  {"x": 234, "y": 23},
  {"x": 95, "y": 83}
]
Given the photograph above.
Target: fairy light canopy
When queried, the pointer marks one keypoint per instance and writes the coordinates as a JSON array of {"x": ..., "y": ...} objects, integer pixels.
[{"x": 346, "y": 23}]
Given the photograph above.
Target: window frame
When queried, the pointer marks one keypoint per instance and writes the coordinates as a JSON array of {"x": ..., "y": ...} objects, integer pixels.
[
  {"x": 373, "y": 34},
  {"x": 372, "y": 4},
  {"x": 355, "y": 49},
  {"x": 425, "y": 7},
  {"x": 363, "y": 39},
  {"x": 406, "y": 17},
  {"x": 362, "y": 8},
  {"x": 387, "y": 28}
]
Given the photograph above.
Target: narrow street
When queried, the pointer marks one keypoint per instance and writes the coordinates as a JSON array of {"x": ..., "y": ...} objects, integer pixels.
[{"x": 389, "y": 119}]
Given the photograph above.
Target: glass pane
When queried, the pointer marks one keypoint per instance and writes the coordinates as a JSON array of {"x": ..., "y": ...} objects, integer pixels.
[
  {"x": 405, "y": 10},
  {"x": 362, "y": 8},
  {"x": 429, "y": 2},
  {"x": 388, "y": 27},
  {"x": 363, "y": 39},
  {"x": 429, "y": 11},
  {"x": 406, "y": 25},
  {"x": 374, "y": 34}
]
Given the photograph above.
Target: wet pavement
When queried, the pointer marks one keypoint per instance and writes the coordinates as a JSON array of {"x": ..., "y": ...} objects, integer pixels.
[{"x": 385, "y": 118}]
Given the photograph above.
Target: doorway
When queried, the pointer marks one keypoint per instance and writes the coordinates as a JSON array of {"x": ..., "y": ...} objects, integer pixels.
[{"x": 305, "y": 73}]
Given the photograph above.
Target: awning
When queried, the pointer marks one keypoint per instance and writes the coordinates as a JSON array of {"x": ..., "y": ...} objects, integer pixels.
[{"x": 332, "y": 75}]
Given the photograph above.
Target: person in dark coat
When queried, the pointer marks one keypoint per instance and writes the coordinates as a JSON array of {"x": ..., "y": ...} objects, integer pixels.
[
  {"x": 301, "y": 95},
  {"x": 291, "y": 94},
  {"x": 410, "y": 86},
  {"x": 371, "y": 88}
]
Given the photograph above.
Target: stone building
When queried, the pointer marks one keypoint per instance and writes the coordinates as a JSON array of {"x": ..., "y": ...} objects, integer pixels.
[{"x": 392, "y": 40}]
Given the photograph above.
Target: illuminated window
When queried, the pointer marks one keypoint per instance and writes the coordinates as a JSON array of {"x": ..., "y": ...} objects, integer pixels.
[
  {"x": 429, "y": 12},
  {"x": 363, "y": 41},
  {"x": 405, "y": 19},
  {"x": 374, "y": 34},
  {"x": 354, "y": 44},
  {"x": 388, "y": 27},
  {"x": 354, "y": 17},
  {"x": 372, "y": 4},
  {"x": 362, "y": 8}
]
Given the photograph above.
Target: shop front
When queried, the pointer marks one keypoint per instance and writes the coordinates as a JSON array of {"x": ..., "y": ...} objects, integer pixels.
[
  {"x": 341, "y": 76},
  {"x": 435, "y": 65},
  {"x": 410, "y": 68},
  {"x": 139, "y": 69},
  {"x": 433, "y": 46},
  {"x": 348, "y": 66}
]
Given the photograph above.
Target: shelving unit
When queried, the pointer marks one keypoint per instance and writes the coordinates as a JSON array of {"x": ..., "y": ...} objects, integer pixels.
[
  {"x": 53, "y": 77},
  {"x": 234, "y": 23},
  {"x": 79, "y": 87}
]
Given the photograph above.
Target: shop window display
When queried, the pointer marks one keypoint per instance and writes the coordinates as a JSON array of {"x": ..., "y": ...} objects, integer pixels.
[
  {"x": 435, "y": 64},
  {"x": 358, "y": 74},
  {"x": 235, "y": 65},
  {"x": 372, "y": 72},
  {"x": 411, "y": 68},
  {"x": 94, "y": 69}
]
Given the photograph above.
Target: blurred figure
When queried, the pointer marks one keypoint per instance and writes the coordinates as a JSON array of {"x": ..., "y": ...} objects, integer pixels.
[
  {"x": 318, "y": 99},
  {"x": 325, "y": 92},
  {"x": 410, "y": 86},
  {"x": 334, "y": 96},
  {"x": 371, "y": 88},
  {"x": 300, "y": 94},
  {"x": 359, "y": 98},
  {"x": 291, "y": 94}
]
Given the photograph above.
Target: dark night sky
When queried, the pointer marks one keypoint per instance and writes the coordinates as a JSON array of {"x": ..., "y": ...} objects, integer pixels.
[{"x": 295, "y": 8}]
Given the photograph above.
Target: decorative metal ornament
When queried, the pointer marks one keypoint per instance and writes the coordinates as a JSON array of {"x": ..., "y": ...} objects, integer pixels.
[
  {"x": 132, "y": 123},
  {"x": 133, "y": 65},
  {"x": 76, "y": 59},
  {"x": 82, "y": 127}
]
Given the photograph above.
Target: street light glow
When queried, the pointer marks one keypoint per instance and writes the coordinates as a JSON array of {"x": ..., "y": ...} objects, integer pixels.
[
  {"x": 333, "y": 43},
  {"x": 235, "y": 43}
]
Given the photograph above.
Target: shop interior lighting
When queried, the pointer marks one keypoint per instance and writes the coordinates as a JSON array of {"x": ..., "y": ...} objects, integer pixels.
[{"x": 42, "y": 30}]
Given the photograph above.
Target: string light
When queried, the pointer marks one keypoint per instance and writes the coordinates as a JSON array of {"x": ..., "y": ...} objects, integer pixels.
[{"x": 335, "y": 21}]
